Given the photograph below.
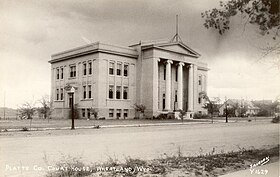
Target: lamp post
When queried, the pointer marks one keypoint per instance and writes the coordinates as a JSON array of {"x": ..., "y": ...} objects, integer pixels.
[{"x": 71, "y": 95}]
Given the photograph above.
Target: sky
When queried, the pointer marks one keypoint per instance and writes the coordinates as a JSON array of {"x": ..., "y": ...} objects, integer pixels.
[{"x": 32, "y": 30}]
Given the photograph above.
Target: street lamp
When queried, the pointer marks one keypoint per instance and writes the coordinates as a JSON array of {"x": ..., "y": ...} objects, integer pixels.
[{"x": 71, "y": 95}]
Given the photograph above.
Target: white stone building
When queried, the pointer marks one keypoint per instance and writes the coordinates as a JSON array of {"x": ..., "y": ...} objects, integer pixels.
[{"x": 163, "y": 76}]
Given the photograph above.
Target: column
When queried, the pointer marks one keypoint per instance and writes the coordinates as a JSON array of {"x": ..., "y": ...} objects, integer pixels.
[
  {"x": 190, "y": 89},
  {"x": 168, "y": 85},
  {"x": 180, "y": 85},
  {"x": 155, "y": 84}
]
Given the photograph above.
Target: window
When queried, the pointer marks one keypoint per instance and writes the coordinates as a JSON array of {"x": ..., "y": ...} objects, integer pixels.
[
  {"x": 90, "y": 68},
  {"x": 111, "y": 112},
  {"x": 57, "y": 73},
  {"x": 83, "y": 113},
  {"x": 164, "y": 72},
  {"x": 125, "y": 113},
  {"x": 125, "y": 70},
  {"x": 119, "y": 69},
  {"x": 199, "y": 100},
  {"x": 61, "y": 75},
  {"x": 111, "y": 92},
  {"x": 119, "y": 113},
  {"x": 89, "y": 91},
  {"x": 61, "y": 93},
  {"x": 199, "y": 80},
  {"x": 72, "y": 71},
  {"x": 85, "y": 92},
  {"x": 88, "y": 113},
  {"x": 85, "y": 68},
  {"x": 125, "y": 93},
  {"x": 118, "y": 93},
  {"x": 57, "y": 94},
  {"x": 111, "y": 68},
  {"x": 175, "y": 95}
]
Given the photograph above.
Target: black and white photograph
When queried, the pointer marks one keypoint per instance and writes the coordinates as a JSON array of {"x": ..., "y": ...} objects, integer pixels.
[{"x": 139, "y": 88}]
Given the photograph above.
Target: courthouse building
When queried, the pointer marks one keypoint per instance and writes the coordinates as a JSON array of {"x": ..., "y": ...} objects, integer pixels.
[{"x": 163, "y": 76}]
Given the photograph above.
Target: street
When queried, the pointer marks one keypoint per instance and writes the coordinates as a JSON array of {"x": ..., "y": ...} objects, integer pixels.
[{"x": 95, "y": 145}]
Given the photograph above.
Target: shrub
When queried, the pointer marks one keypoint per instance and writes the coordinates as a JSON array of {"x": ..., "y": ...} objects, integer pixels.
[
  {"x": 94, "y": 112},
  {"x": 139, "y": 108},
  {"x": 69, "y": 166},
  {"x": 161, "y": 117},
  {"x": 200, "y": 116},
  {"x": 24, "y": 129},
  {"x": 275, "y": 119}
]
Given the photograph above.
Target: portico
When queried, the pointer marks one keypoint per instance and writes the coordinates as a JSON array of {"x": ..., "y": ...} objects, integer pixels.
[
  {"x": 172, "y": 69},
  {"x": 174, "y": 84}
]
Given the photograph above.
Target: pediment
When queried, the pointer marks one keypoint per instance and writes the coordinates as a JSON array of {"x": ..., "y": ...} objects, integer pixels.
[{"x": 180, "y": 48}]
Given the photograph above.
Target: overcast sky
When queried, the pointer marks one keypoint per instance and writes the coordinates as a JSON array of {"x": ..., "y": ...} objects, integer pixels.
[{"x": 32, "y": 30}]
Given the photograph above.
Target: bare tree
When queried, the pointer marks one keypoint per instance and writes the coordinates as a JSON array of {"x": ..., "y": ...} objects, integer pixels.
[
  {"x": 140, "y": 108},
  {"x": 27, "y": 110},
  {"x": 45, "y": 107}
]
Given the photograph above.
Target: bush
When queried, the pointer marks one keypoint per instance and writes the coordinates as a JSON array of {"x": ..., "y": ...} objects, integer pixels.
[
  {"x": 69, "y": 166},
  {"x": 200, "y": 116},
  {"x": 24, "y": 129},
  {"x": 94, "y": 112},
  {"x": 275, "y": 119},
  {"x": 161, "y": 117},
  {"x": 170, "y": 116}
]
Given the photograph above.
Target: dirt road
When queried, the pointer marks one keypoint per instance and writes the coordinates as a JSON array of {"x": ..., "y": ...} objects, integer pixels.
[{"x": 39, "y": 149}]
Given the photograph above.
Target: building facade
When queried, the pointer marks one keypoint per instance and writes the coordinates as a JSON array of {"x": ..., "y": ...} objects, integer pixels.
[{"x": 163, "y": 76}]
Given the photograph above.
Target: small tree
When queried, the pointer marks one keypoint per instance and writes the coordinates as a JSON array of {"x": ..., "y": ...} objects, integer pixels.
[
  {"x": 45, "y": 109},
  {"x": 27, "y": 110},
  {"x": 94, "y": 112},
  {"x": 182, "y": 113},
  {"x": 140, "y": 108},
  {"x": 211, "y": 106}
]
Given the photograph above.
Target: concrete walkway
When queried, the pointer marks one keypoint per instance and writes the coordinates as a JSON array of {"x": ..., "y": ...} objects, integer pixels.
[
  {"x": 268, "y": 170},
  {"x": 202, "y": 121}
]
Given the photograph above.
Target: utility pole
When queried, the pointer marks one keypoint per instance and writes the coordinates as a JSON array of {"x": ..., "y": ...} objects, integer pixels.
[{"x": 226, "y": 112}]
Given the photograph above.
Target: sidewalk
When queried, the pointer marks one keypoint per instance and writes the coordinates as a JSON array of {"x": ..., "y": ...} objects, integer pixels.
[
  {"x": 109, "y": 126},
  {"x": 96, "y": 126},
  {"x": 268, "y": 170}
]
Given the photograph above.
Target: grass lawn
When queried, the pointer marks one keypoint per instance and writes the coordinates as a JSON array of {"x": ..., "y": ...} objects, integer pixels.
[{"x": 54, "y": 123}]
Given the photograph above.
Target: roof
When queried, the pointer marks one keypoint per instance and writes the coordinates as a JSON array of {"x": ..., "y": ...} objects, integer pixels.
[
  {"x": 242, "y": 102},
  {"x": 93, "y": 48},
  {"x": 171, "y": 46}
]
